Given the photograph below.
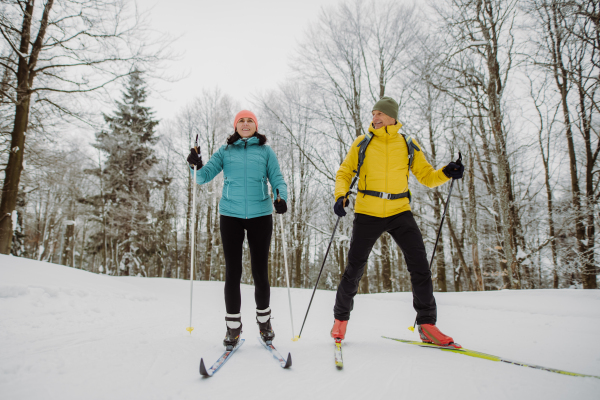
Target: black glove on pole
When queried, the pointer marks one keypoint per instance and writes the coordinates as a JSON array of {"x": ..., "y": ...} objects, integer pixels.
[
  {"x": 340, "y": 204},
  {"x": 195, "y": 159},
  {"x": 454, "y": 170},
  {"x": 280, "y": 204}
]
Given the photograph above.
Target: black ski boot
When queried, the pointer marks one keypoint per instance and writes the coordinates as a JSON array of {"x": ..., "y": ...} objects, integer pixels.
[
  {"x": 234, "y": 330},
  {"x": 263, "y": 319}
]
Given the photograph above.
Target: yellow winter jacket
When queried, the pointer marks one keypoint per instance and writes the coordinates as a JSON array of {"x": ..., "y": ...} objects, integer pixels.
[{"x": 385, "y": 169}]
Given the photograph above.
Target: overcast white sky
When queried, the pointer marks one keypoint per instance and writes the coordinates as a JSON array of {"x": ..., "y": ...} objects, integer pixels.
[{"x": 241, "y": 46}]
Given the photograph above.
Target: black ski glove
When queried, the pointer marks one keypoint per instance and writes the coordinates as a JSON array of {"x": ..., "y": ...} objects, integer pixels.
[
  {"x": 338, "y": 207},
  {"x": 454, "y": 170},
  {"x": 280, "y": 206},
  {"x": 195, "y": 159}
]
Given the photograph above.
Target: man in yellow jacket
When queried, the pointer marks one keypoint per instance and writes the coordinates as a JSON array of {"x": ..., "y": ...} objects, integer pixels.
[{"x": 383, "y": 205}]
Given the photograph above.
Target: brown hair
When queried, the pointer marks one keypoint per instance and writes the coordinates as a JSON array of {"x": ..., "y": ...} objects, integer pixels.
[{"x": 262, "y": 139}]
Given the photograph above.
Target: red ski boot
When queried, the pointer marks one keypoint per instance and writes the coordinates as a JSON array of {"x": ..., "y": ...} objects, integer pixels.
[
  {"x": 431, "y": 334},
  {"x": 338, "y": 332}
]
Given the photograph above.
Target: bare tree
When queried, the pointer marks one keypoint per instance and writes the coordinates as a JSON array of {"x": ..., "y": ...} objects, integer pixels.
[
  {"x": 56, "y": 50},
  {"x": 567, "y": 46}
]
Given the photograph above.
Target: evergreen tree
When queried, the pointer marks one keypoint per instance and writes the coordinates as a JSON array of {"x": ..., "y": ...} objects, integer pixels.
[{"x": 126, "y": 179}]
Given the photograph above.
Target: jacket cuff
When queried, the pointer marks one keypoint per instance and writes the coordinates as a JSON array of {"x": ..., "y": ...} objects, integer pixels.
[{"x": 442, "y": 175}]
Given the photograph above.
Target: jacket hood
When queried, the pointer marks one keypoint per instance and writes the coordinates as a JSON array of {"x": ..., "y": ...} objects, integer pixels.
[{"x": 389, "y": 130}]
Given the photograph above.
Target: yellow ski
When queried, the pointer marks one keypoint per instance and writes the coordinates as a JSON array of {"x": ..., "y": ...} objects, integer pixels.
[
  {"x": 476, "y": 354},
  {"x": 339, "y": 362}
]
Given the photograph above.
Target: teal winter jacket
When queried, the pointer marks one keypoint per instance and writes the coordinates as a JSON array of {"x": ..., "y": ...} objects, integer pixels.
[{"x": 246, "y": 168}]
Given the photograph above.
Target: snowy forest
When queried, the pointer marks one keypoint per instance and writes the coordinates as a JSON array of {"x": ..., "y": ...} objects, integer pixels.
[{"x": 511, "y": 84}]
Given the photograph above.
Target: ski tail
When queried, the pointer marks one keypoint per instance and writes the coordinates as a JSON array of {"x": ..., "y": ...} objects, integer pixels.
[
  {"x": 284, "y": 363},
  {"x": 203, "y": 368}
]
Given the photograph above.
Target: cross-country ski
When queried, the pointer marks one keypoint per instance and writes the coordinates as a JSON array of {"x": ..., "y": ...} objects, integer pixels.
[
  {"x": 476, "y": 354},
  {"x": 337, "y": 354}
]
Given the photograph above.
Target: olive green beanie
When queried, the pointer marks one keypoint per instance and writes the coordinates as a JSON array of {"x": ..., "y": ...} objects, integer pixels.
[{"x": 388, "y": 106}]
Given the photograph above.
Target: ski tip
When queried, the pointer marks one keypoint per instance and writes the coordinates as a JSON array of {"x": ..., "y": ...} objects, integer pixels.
[
  {"x": 203, "y": 371},
  {"x": 288, "y": 363}
]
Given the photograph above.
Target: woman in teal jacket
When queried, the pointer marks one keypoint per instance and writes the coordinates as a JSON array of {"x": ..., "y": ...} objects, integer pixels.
[{"x": 247, "y": 164}]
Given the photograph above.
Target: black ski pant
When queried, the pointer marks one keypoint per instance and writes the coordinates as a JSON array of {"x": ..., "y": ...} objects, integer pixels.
[
  {"x": 405, "y": 232},
  {"x": 259, "y": 231}
]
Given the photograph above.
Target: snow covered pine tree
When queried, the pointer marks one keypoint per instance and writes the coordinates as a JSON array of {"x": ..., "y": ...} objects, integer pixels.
[{"x": 126, "y": 178}]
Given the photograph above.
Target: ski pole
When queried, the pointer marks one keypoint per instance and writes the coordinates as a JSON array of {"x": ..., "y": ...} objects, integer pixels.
[
  {"x": 458, "y": 161},
  {"x": 193, "y": 226},
  {"x": 287, "y": 276},
  {"x": 322, "y": 265}
]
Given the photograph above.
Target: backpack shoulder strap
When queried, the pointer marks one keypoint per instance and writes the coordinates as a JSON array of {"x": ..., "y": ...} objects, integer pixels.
[
  {"x": 363, "y": 149},
  {"x": 361, "y": 156},
  {"x": 411, "y": 146}
]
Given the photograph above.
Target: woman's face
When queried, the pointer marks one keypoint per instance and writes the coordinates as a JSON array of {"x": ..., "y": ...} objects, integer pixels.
[{"x": 246, "y": 127}]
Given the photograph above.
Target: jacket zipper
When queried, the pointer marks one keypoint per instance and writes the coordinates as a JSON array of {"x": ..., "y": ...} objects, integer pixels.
[
  {"x": 386, "y": 169},
  {"x": 245, "y": 178}
]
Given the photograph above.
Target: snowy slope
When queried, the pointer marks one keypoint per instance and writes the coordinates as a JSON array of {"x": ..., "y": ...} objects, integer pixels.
[{"x": 69, "y": 334}]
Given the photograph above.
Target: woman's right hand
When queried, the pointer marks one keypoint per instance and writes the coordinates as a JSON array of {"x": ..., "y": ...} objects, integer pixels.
[{"x": 195, "y": 159}]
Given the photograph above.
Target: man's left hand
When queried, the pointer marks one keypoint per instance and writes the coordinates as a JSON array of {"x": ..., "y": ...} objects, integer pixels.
[{"x": 454, "y": 170}]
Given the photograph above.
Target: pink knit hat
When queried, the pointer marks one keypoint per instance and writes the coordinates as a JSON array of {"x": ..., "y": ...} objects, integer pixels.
[{"x": 244, "y": 114}]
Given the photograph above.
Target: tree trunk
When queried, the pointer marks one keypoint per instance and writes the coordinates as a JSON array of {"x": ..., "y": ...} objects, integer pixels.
[
  {"x": 459, "y": 254},
  {"x": 491, "y": 185},
  {"x": 589, "y": 265},
  {"x": 25, "y": 76},
  {"x": 299, "y": 243},
  {"x": 472, "y": 212},
  {"x": 440, "y": 259},
  {"x": 561, "y": 79},
  {"x": 82, "y": 245},
  {"x": 68, "y": 243},
  {"x": 386, "y": 267}
]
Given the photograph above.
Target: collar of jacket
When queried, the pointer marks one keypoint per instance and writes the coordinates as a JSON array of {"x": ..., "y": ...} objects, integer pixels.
[
  {"x": 251, "y": 140},
  {"x": 391, "y": 130}
]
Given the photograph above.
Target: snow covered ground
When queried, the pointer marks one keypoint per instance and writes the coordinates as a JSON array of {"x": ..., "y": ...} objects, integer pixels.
[{"x": 70, "y": 334}]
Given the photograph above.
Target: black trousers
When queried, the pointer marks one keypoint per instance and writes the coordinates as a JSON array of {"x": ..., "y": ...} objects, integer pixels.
[
  {"x": 405, "y": 232},
  {"x": 259, "y": 231}
]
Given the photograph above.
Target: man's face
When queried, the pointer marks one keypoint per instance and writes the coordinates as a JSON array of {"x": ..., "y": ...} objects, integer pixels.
[{"x": 380, "y": 120}]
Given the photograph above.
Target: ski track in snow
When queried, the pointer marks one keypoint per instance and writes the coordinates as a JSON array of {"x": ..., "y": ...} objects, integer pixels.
[{"x": 69, "y": 334}]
